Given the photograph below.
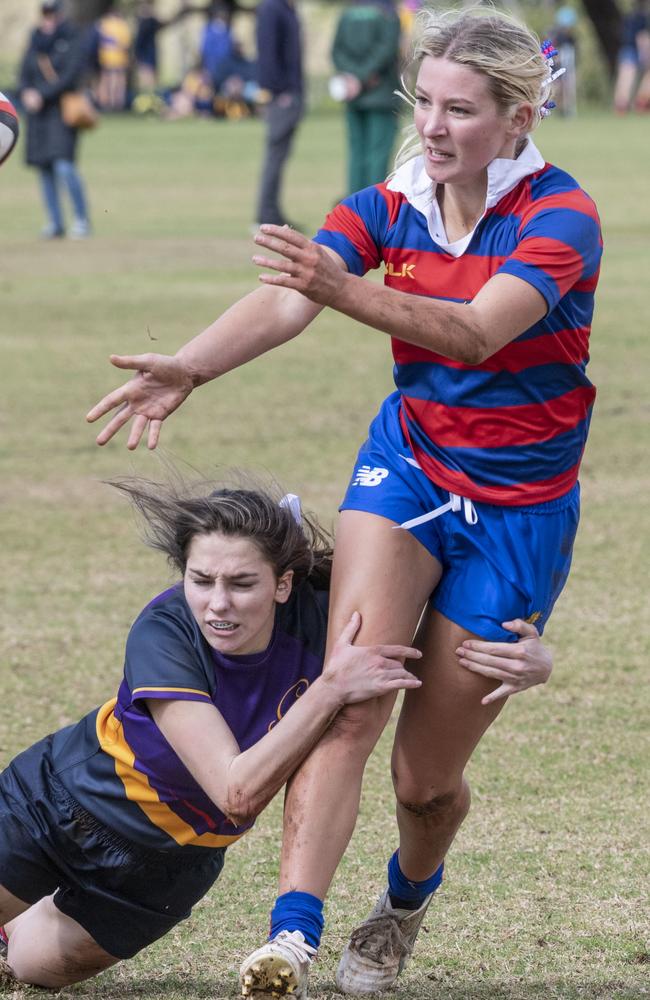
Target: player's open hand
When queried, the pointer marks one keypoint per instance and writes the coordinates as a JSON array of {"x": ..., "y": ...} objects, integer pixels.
[
  {"x": 160, "y": 385},
  {"x": 301, "y": 264},
  {"x": 518, "y": 665},
  {"x": 362, "y": 672}
]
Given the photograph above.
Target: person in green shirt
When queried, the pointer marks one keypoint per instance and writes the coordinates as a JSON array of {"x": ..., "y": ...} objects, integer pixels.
[{"x": 366, "y": 53}]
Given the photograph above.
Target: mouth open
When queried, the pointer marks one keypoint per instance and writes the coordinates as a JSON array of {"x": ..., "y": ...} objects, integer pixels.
[{"x": 223, "y": 628}]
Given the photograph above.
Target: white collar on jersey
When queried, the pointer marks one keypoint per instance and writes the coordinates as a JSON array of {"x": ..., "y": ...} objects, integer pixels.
[{"x": 412, "y": 181}]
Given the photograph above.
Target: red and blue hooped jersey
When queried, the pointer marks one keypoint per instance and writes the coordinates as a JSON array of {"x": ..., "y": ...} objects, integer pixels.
[{"x": 512, "y": 429}]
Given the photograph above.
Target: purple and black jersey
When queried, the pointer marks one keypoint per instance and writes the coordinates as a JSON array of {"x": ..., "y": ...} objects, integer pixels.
[{"x": 116, "y": 762}]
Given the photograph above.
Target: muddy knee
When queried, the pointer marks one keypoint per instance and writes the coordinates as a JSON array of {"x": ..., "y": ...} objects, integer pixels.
[
  {"x": 357, "y": 727},
  {"x": 434, "y": 808}
]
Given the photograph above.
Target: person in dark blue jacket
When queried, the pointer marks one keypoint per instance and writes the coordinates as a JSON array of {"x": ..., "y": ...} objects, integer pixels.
[
  {"x": 53, "y": 63},
  {"x": 279, "y": 73}
]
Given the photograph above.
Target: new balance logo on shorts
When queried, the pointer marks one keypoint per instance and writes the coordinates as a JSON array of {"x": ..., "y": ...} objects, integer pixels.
[{"x": 365, "y": 476}]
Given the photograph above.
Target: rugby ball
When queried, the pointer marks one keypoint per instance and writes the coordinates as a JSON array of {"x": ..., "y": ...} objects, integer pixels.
[{"x": 8, "y": 127}]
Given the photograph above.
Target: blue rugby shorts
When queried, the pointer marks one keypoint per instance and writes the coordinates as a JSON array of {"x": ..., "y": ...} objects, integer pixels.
[
  {"x": 125, "y": 896},
  {"x": 498, "y": 562}
]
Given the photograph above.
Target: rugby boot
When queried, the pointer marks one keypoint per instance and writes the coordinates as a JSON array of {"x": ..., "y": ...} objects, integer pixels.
[
  {"x": 280, "y": 968},
  {"x": 379, "y": 948}
]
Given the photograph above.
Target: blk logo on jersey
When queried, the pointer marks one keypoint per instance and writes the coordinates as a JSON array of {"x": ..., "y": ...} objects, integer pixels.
[
  {"x": 365, "y": 476},
  {"x": 405, "y": 271}
]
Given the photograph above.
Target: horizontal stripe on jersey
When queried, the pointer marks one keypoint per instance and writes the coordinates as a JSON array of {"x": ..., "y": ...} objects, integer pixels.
[{"x": 512, "y": 429}]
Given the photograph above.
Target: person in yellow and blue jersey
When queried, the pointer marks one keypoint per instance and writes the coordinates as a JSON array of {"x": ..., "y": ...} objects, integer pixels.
[
  {"x": 113, "y": 44},
  {"x": 112, "y": 828}
]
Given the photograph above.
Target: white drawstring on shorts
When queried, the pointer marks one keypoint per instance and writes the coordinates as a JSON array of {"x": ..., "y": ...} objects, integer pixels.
[{"x": 454, "y": 504}]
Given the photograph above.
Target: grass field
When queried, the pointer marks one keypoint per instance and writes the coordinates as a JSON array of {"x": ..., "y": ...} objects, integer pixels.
[{"x": 546, "y": 895}]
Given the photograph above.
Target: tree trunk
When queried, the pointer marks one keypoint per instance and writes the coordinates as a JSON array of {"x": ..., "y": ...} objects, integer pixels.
[{"x": 606, "y": 19}]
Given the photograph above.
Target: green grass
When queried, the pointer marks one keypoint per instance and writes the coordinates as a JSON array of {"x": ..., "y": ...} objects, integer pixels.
[{"x": 545, "y": 896}]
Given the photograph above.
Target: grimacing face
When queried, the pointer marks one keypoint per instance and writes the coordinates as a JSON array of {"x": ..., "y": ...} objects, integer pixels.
[
  {"x": 232, "y": 591},
  {"x": 459, "y": 123}
]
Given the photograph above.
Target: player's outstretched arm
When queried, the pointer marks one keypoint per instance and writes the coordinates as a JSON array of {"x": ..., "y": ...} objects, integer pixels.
[
  {"x": 469, "y": 332},
  {"x": 518, "y": 665},
  {"x": 257, "y": 323},
  {"x": 159, "y": 386}
]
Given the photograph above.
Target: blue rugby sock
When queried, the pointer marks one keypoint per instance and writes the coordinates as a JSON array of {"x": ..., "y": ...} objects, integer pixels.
[
  {"x": 298, "y": 911},
  {"x": 405, "y": 894}
]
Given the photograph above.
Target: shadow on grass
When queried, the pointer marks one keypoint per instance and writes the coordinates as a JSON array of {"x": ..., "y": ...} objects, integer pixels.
[
  {"x": 552, "y": 989},
  {"x": 179, "y": 987},
  {"x": 170, "y": 987},
  {"x": 176, "y": 986}
]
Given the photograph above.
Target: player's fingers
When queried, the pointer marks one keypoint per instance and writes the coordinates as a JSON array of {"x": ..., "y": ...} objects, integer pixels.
[
  {"x": 275, "y": 264},
  {"x": 133, "y": 362},
  {"x": 154, "y": 434},
  {"x": 521, "y": 628},
  {"x": 283, "y": 234},
  {"x": 495, "y": 672},
  {"x": 350, "y": 630},
  {"x": 399, "y": 652},
  {"x": 406, "y": 681},
  {"x": 280, "y": 246},
  {"x": 395, "y": 668},
  {"x": 284, "y": 279},
  {"x": 109, "y": 402},
  {"x": 138, "y": 427},
  {"x": 501, "y": 692},
  {"x": 501, "y": 661},
  {"x": 480, "y": 647},
  {"x": 112, "y": 427}
]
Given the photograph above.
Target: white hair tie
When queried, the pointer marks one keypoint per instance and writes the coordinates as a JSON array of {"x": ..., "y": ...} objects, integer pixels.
[{"x": 292, "y": 502}]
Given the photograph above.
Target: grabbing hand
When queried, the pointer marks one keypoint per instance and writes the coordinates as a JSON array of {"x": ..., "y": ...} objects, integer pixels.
[
  {"x": 160, "y": 385},
  {"x": 518, "y": 665},
  {"x": 303, "y": 265},
  {"x": 362, "y": 672}
]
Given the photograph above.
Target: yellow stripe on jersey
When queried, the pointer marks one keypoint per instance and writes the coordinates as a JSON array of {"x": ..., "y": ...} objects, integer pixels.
[
  {"x": 150, "y": 687},
  {"x": 110, "y": 734}
]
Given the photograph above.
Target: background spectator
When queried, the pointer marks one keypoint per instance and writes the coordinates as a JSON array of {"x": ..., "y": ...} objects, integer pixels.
[
  {"x": 279, "y": 72},
  {"x": 407, "y": 11},
  {"x": 194, "y": 96},
  {"x": 633, "y": 78},
  {"x": 113, "y": 59},
  {"x": 145, "y": 48},
  {"x": 563, "y": 35},
  {"x": 366, "y": 52},
  {"x": 217, "y": 44},
  {"x": 54, "y": 62},
  {"x": 232, "y": 75}
]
